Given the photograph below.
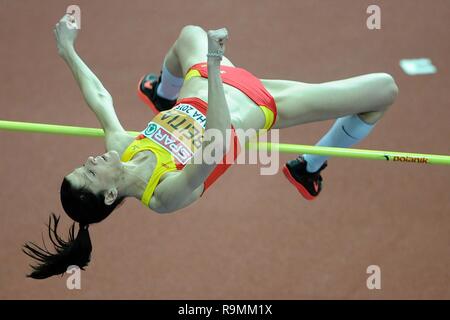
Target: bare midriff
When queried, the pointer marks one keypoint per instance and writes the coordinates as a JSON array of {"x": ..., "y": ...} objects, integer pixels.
[{"x": 244, "y": 113}]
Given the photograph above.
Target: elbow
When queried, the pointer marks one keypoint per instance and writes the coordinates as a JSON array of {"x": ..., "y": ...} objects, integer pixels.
[
  {"x": 164, "y": 207},
  {"x": 163, "y": 210},
  {"x": 100, "y": 100},
  {"x": 105, "y": 97}
]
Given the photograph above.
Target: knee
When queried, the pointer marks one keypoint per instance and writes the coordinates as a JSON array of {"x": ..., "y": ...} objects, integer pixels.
[
  {"x": 387, "y": 92},
  {"x": 187, "y": 36},
  {"x": 190, "y": 30},
  {"x": 388, "y": 89}
]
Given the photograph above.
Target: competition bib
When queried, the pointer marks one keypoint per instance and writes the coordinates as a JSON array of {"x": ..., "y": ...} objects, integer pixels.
[{"x": 178, "y": 130}]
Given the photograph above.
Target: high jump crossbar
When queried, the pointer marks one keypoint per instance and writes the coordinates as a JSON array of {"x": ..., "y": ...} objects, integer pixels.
[{"x": 394, "y": 156}]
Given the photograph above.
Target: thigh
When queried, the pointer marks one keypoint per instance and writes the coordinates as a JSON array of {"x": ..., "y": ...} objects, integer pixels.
[
  {"x": 192, "y": 47},
  {"x": 299, "y": 102}
]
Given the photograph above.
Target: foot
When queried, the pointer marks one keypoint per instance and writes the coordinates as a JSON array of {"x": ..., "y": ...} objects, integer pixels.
[
  {"x": 308, "y": 184},
  {"x": 147, "y": 91}
]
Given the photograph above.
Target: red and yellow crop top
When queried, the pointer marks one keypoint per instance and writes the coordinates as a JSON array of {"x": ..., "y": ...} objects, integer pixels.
[{"x": 174, "y": 136}]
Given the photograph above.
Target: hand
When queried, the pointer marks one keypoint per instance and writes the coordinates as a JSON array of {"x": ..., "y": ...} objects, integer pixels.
[
  {"x": 66, "y": 32},
  {"x": 216, "y": 41}
]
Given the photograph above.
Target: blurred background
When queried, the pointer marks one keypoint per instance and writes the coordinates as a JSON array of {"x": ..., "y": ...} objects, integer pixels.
[{"x": 251, "y": 236}]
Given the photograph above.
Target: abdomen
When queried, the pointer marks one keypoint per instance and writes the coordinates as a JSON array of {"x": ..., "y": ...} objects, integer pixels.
[{"x": 244, "y": 113}]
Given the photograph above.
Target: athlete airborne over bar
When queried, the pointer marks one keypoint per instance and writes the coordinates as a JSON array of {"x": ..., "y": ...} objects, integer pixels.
[{"x": 202, "y": 89}]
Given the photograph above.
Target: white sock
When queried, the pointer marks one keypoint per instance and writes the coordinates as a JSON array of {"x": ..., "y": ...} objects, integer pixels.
[
  {"x": 344, "y": 133},
  {"x": 170, "y": 85}
]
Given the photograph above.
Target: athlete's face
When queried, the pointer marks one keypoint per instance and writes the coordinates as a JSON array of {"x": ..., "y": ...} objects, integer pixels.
[{"x": 98, "y": 174}]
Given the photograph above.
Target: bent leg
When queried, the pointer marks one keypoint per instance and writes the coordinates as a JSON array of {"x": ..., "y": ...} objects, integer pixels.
[
  {"x": 357, "y": 104},
  {"x": 369, "y": 96},
  {"x": 189, "y": 49}
]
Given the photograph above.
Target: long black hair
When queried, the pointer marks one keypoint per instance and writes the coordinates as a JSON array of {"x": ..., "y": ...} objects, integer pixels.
[{"x": 82, "y": 206}]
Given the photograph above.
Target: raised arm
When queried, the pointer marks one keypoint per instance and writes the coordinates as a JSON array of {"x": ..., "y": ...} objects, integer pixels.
[
  {"x": 218, "y": 114},
  {"x": 218, "y": 117},
  {"x": 96, "y": 96}
]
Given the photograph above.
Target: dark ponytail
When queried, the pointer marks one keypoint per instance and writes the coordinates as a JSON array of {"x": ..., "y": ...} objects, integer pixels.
[
  {"x": 83, "y": 207},
  {"x": 74, "y": 251}
]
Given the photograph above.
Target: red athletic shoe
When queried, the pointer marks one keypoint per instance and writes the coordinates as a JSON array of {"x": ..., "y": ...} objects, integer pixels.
[
  {"x": 147, "y": 89},
  {"x": 308, "y": 184}
]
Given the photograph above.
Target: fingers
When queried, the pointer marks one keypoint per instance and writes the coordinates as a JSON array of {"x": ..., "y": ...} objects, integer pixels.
[
  {"x": 219, "y": 34},
  {"x": 67, "y": 17},
  {"x": 224, "y": 33},
  {"x": 67, "y": 21},
  {"x": 221, "y": 30}
]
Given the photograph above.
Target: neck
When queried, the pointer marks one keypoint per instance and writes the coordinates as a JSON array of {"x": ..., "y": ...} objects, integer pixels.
[{"x": 136, "y": 174}]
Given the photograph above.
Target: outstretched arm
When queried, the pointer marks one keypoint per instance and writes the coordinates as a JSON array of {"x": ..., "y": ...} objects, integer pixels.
[
  {"x": 95, "y": 94},
  {"x": 218, "y": 117}
]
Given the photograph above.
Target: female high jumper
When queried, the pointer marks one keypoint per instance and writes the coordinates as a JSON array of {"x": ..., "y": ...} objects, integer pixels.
[{"x": 197, "y": 90}]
